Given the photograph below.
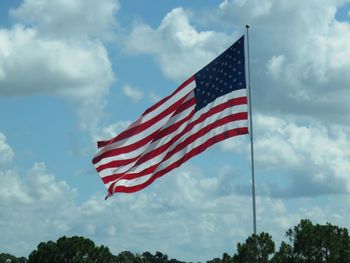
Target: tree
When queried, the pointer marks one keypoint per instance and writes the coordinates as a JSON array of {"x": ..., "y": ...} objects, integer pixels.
[
  {"x": 257, "y": 248},
  {"x": 284, "y": 255},
  {"x": 319, "y": 243},
  {"x": 73, "y": 250},
  {"x": 128, "y": 257},
  {"x": 7, "y": 258}
]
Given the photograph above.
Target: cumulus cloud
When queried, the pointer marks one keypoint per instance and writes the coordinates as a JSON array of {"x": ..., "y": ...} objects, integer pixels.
[
  {"x": 133, "y": 93},
  {"x": 112, "y": 130},
  {"x": 299, "y": 53},
  {"x": 35, "y": 207},
  {"x": 44, "y": 55},
  {"x": 30, "y": 64},
  {"x": 297, "y": 159},
  {"x": 177, "y": 45},
  {"x": 6, "y": 152},
  {"x": 188, "y": 209},
  {"x": 68, "y": 19}
]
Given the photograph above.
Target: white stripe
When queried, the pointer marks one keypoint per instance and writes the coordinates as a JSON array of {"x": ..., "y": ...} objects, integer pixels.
[{"x": 180, "y": 154}]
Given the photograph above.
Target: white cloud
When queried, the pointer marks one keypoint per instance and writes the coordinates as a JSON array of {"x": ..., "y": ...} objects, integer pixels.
[
  {"x": 133, "y": 93},
  {"x": 35, "y": 207},
  {"x": 57, "y": 50},
  {"x": 111, "y": 130},
  {"x": 30, "y": 64},
  {"x": 69, "y": 19},
  {"x": 303, "y": 48},
  {"x": 6, "y": 152},
  {"x": 275, "y": 65},
  {"x": 178, "y": 47},
  {"x": 296, "y": 158},
  {"x": 188, "y": 209}
]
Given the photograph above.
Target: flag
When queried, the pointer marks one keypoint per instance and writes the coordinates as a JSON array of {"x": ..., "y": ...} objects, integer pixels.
[{"x": 207, "y": 108}]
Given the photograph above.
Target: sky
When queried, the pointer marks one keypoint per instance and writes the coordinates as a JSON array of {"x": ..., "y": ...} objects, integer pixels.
[{"x": 73, "y": 72}]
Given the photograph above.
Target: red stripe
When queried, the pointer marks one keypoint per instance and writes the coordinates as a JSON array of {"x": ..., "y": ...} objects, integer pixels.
[
  {"x": 187, "y": 156},
  {"x": 143, "y": 126},
  {"x": 116, "y": 163},
  {"x": 179, "y": 147}
]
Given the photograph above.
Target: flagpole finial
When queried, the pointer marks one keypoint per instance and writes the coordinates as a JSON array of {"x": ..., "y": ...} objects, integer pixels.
[{"x": 247, "y": 26}]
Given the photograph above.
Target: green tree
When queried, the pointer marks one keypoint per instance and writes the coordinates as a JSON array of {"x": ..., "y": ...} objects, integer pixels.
[
  {"x": 128, "y": 257},
  {"x": 71, "y": 250},
  {"x": 226, "y": 258},
  {"x": 7, "y": 258},
  {"x": 319, "y": 243},
  {"x": 284, "y": 254},
  {"x": 257, "y": 248}
]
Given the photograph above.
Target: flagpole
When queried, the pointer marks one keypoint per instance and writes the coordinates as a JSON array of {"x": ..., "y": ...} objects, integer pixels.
[{"x": 251, "y": 133}]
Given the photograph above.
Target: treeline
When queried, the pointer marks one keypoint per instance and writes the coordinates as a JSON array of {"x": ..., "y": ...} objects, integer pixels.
[{"x": 306, "y": 243}]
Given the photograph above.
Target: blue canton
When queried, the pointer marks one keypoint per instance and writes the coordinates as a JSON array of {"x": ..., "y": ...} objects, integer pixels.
[{"x": 223, "y": 75}]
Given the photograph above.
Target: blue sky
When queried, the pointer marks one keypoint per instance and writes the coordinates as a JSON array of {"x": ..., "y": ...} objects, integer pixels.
[{"x": 72, "y": 72}]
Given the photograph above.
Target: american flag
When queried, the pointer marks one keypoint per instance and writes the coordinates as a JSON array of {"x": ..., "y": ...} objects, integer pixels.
[{"x": 207, "y": 108}]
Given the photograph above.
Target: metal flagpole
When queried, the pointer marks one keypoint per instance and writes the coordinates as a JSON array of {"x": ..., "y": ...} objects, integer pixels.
[{"x": 251, "y": 132}]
